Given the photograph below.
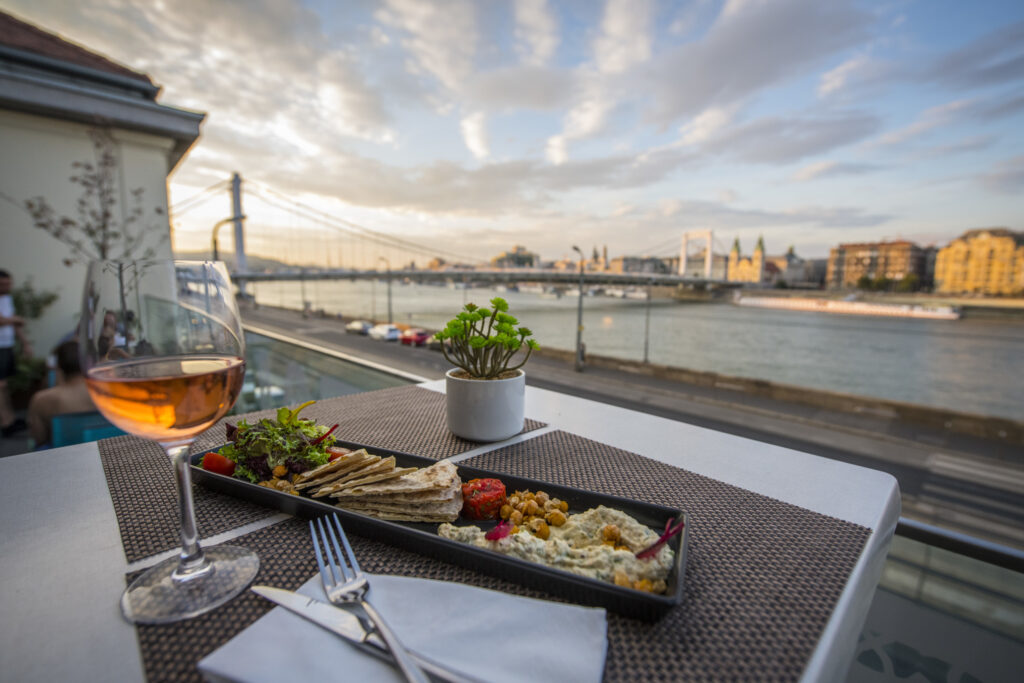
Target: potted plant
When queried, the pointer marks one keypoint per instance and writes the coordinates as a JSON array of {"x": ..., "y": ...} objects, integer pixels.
[{"x": 487, "y": 388}]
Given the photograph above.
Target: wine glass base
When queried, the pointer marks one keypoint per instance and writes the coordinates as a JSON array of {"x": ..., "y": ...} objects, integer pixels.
[{"x": 157, "y": 598}]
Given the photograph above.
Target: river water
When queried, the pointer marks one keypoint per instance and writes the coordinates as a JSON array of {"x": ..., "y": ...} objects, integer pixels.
[{"x": 973, "y": 366}]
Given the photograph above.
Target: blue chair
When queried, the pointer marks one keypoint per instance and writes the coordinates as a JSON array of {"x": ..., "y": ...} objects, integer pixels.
[{"x": 72, "y": 428}]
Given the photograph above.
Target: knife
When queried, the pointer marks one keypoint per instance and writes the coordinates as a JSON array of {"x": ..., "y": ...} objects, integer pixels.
[{"x": 347, "y": 625}]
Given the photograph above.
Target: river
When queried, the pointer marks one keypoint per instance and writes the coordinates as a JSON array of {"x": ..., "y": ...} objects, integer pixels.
[{"x": 968, "y": 365}]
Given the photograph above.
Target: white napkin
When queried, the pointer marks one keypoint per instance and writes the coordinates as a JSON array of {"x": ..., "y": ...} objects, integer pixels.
[{"x": 485, "y": 634}]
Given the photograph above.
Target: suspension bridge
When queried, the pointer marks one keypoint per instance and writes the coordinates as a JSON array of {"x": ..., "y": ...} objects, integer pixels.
[{"x": 346, "y": 250}]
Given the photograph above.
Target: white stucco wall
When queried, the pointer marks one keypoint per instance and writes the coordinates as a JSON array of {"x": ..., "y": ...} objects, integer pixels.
[{"x": 36, "y": 161}]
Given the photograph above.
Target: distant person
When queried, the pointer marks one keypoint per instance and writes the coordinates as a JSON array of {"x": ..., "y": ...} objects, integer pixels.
[
  {"x": 69, "y": 396},
  {"x": 12, "y": 328}
]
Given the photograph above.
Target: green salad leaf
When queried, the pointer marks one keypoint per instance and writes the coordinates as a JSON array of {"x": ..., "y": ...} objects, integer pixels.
[{"x": 297, "y": 443}]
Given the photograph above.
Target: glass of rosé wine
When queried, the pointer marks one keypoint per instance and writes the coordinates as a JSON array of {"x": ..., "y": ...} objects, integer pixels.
[{"x": 163, "y": 355}]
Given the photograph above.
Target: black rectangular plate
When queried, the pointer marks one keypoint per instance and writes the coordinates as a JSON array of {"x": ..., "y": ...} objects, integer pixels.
[{"x": 422, "y": 537}]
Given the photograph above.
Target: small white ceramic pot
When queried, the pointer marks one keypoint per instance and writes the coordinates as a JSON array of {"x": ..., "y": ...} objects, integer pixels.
[{"x": 485, "y": 409}]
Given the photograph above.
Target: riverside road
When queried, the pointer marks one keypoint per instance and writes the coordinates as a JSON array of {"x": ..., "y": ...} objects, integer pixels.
[{"x": 959, "y": 482}]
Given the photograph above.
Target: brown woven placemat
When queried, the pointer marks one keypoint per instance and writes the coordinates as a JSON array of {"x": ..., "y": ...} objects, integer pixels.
[
  {"x": 408, "y": 419},
  {"x": 762, "y": 576},
  {"x": 142, "y": 487},
  {"x": 141, "y": 483}
]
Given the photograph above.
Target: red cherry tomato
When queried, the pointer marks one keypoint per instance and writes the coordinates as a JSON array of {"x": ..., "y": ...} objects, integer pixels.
[
  {"x": 482, "y": 498},
  {"x": 218, "y": 464}
]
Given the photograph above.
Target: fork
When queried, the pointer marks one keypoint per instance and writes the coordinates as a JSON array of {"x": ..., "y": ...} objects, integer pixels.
[{"x": 344, "y": 583}]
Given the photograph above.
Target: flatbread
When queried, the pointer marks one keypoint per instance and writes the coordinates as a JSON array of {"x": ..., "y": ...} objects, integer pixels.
[
  {"x": 351, "y": 462},
  {"x": 379, "y": 476},
  {"x": 342, "y": 463},
  {"x": 431, "y": 496},
  {"x": 440, "y": 475},
  {"x": 448, "y": 507},
  {"x": 373, "y": 465},
  {"x": 396, "y": 517}
]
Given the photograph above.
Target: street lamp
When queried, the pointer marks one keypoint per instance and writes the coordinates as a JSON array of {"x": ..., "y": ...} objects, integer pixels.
[
  {"x": 388, "y": 264},
  {"x": 216, "y": 229},
  {"x": 579, "y": 317}
]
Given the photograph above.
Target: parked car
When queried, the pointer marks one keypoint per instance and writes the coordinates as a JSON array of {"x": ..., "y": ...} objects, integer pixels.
[
  {"x": 358, "y": 327},
  {"x": 384, "y": 332},
  {"x": 414, "y": 336},
  {"x": 433, "y": 343}
]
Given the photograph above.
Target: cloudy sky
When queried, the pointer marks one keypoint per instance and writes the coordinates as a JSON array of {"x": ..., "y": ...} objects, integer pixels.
[{"x": 472, "y": 126}]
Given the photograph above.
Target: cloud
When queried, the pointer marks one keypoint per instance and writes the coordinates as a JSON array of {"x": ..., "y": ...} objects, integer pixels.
[
  {"x": 934, "y": 117},
  {"x": 536, "y": 31},
  {"x": 522, "y": 87},
  {"x": 282, "y": 63},
  {"x": 993, "y": 59},
  {"x": 1006, "y": 177},
  {"x": 475, "y": 135},
  {"x": 971, "y": 143},
  {"x": 625, "y": 37},
  {"x": 752, "y": 46},
  {"x": 706, "y": 125},
  {"x": 781, "y": 140},
  {"x": 585, "y": 118},
  {"x": 854, "y": 74},
  {"x": 832, "y": 169},
  {"x": 441, "y": 36}
]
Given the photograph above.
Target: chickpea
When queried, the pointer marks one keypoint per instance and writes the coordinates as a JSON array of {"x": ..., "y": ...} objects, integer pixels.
[
  {"x": 550, "y": 505},
  {"x": 514, "y": 499},
  {"x": 516, "y": 517},
  {"x": 643, "y": 585},
  {"x": 610, "y": 532},
  {"x": 542, "y": 497},
  {"x": 280, "y": 471},
  {"x": 532, "y": 508},
  {"x": 621, "y": 579},
  {"x": 528, "y": 495},
  {"x": 506, "y": 511},
  {"x": 540, "y": 528},
  {"x": 563, "y": 506},
  {"x": 555, "y": 518}
]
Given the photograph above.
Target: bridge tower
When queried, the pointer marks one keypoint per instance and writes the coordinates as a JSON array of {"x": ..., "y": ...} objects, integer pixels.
[
  {"x": 236, "y": 206},
  {"x": 708, "y": 252}
]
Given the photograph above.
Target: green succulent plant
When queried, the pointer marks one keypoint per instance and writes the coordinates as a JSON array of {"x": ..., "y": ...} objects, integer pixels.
[{"x": 483, "y": 341}]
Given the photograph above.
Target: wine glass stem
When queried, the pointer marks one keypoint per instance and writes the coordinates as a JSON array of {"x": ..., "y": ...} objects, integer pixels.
[{"x": 192, "y": 563}]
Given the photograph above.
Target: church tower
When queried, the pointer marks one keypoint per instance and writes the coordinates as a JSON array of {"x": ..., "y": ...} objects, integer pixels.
[
  {"x": 758, "y": 260},
  {"x": 734, "y": 261}
]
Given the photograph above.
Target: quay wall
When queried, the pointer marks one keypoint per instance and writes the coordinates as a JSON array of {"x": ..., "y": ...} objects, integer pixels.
[{"x": 981, "y": 426}]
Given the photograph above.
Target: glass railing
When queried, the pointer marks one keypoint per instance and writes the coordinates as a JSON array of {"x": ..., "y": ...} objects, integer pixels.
[
  {"x": 278, "y": 373},
  {"x": 942, "y": 617}
]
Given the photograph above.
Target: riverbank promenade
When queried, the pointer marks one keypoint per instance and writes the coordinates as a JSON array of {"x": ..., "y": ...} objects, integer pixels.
[{"x": 947, "y": 478}]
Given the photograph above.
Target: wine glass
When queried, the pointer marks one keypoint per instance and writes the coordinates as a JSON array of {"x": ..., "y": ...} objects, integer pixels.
[{"x": 163, "y": 354}]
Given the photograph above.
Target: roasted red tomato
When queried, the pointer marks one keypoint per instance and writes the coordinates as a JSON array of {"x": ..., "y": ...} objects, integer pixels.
[
  {"x": 482, "y": 498},
  {"x": 218, "y": 464}
]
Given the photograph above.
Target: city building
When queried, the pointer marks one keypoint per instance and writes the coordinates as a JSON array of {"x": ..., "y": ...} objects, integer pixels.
[
  {"x": 517, "y": 257},
  {"x": 747, "y": 269},
  {"x": 58, "y": 102},
  {"x": 637, "y": 264},
  {"x": 788, "y": 268},
  {"x": 876, "y": 261},
  {"x": 697, "y": 262},
  {"x": 982, "y": 261}
]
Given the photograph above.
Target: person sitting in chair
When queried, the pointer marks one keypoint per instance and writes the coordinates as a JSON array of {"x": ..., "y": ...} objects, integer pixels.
[{"x": 69, "y": 396}]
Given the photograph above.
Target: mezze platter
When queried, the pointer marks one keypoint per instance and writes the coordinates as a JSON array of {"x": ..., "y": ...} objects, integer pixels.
[{"x": 423, "y": 537}]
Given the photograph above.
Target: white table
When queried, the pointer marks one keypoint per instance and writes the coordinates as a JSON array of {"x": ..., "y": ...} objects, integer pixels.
[{"x": 62, "y": 565}]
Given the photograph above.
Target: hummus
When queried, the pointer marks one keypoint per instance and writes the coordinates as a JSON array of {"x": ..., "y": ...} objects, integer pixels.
[{"x": 578, "y": 546}]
